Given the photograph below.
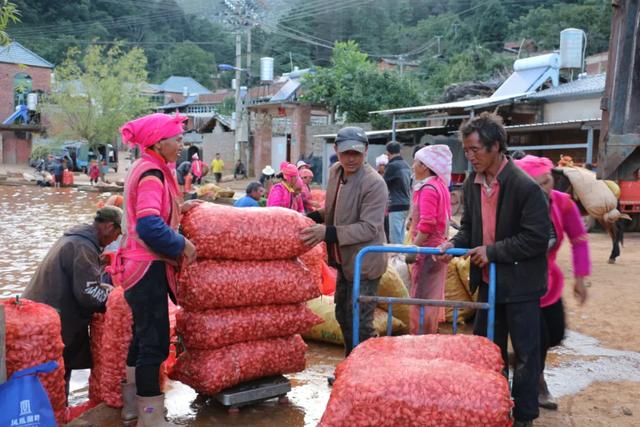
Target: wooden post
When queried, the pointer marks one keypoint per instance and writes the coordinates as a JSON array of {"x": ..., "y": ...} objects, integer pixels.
[{"x": 3, "y": 334}]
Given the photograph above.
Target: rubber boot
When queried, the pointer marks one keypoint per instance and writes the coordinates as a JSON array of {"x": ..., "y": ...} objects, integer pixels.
[
  {"x": 151, "y": 412},
  {"x": 545, "y": 399},
  {"x": 129, "y": 411}
]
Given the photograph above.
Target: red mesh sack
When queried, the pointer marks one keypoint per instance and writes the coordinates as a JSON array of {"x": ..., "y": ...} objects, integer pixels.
[
  {"x": 221, "y": 284},
  {"x": 217, "y": 328},
  {"x": 408, "y": 391},
  {"x": 470, "y": 349},
  {"x": 96, "y": 332},
  {"x": 210, "y": 371},
  {"x": 33, "y": 336},
  {"x": 225, "y": 232},
  {"x": 314, "y": 260},
  {"x": 319, "y": 196},
  {"x": 329, "y": 279}
]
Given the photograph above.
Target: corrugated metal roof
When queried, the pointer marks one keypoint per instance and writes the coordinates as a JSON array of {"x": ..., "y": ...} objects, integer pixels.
[
  {"x": 176, "y": 84},
  {"x": 466, "y": 104},
  {"x": 589, "y": 85},
  {"x": 15, "y": 53},
  {"x": 188, "y": 101},
  {"x": 385, "y": 132},
  {"x": 565, "y": 124}
]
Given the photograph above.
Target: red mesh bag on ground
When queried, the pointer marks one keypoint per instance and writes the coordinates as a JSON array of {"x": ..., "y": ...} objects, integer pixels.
[
  {"x": 221, "y": 284},
  {"x": 210, "y": 371},
  {"x": 212, "y": 329},
  {"x": 470, "y": 349},
  {"x": 33, "y": 336},
  {"x": 428, "y": 380},
  {"x": 225, "y": 232},
  {"x": 110, "y": 346}
]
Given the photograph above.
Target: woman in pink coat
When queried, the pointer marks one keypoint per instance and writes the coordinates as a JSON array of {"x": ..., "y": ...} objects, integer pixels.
[
  {"x": 430, "y": 215},
  {"x": 286, "y": 193},
  {"x": 566, "y": 219}
]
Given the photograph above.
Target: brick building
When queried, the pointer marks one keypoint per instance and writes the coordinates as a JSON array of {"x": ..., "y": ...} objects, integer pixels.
[{"x": 21, "y": 72}]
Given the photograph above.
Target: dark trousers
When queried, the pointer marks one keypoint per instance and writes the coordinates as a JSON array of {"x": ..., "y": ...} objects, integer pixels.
[
  {"x": 218, "y": 177},
  {"x": 552, "y": 329},
  {"x": 520, "y": 321},
  {"x": 150, "y": 343},
  {"x": 344, "y": 309}
]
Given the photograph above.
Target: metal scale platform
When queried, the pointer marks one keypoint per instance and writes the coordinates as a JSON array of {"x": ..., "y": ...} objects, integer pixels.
[{"x": 253, "y": 392}]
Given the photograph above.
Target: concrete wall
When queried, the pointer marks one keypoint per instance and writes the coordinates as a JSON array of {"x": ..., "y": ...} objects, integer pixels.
[
  {"x": 219, "y": 142},
  {"x": 572, "y": 110},
  {"x": 40, "y": 80}
]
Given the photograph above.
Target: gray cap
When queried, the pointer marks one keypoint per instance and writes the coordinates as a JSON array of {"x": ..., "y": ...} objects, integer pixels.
[
  {"x": 352, "y": 138},
  {"x": 111, "y": 214}
]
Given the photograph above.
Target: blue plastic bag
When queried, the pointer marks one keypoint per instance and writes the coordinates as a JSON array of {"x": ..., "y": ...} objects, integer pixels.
[{"x": 23, "y": 400}]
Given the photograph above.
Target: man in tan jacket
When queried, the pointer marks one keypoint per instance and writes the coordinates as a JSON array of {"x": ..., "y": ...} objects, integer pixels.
[{"x": 352, "y": 219}]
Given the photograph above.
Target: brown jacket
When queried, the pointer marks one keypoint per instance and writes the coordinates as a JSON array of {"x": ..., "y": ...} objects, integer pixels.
[{"x": 358, "y": 215}]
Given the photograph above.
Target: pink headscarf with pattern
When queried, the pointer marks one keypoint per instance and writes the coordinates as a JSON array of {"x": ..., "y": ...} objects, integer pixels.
[
  {"x": 150, "y": 129},
  {"x": 535, "y": 166},
  {"x": 288, "y": 170},
  {"x": 437, "y": 158}
]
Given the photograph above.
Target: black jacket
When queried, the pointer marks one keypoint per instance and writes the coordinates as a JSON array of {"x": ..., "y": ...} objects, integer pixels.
[
  {"x": 522, "y": 235},
  {"x": 397, "y": 175},
  {"x": 68, "y": 280}
]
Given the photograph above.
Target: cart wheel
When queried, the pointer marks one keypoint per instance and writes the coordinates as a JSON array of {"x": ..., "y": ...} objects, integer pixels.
[{"x": 283, "y": 399}]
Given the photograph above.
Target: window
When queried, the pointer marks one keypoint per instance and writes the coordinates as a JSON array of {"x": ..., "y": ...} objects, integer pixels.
[{"x": 21, "y": 87}]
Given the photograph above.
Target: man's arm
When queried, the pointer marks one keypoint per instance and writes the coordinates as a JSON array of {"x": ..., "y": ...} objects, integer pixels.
[
  {"x": 533, "y": 240},
  {"x": 370, "y": 220},
  {"x": 85, "y": 275}
]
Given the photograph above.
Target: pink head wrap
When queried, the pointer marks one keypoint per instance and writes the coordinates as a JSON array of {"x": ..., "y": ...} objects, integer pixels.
[
  {"x": 288, "y": 170},
  {"x": 438, "y": 159},
  {"x": 148, "y": 130},
  {"x": 535, "y": 166},
  {"x": 306, "y": 173}
]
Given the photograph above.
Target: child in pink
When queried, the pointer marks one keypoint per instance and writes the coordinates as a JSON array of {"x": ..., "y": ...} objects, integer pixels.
[
  {"x": 94, "y": 172},
  {"x": 566, "y": 219}
]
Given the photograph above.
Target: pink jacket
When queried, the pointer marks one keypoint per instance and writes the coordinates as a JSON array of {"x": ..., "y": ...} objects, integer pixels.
[
  {"x": 431, "y": 211},
  {"x": 566, "y": 218},
  {"x": 142, "y": 198},
  {"x": 197, "y": 167},
  {"x": 282, "y": 197}
]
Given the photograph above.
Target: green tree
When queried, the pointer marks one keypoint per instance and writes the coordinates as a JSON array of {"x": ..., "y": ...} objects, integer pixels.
[
  {"x": 354, "y": 86},
  {"x": 188, "y": 59},
  {"x": 9, "y": 13},
  {"x": 96, "y": 93}
]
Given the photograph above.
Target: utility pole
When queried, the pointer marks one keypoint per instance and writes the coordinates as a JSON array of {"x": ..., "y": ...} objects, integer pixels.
[
  {"x": 246, "y": 117},
  {"x": 238, "y": 120}
]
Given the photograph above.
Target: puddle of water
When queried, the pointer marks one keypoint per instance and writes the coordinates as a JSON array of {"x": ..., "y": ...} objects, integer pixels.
[{"x": 589, "y": 362}]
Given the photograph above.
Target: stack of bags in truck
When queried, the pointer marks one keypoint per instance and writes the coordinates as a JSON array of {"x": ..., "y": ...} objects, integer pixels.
[
  {"x": 243, "y": 302},
  {"x": 423, "y": 380}
]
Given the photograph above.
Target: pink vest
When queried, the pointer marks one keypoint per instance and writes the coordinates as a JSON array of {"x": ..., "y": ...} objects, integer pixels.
[
  {"x": 196, "y": 168},
  {"x": 134, "y": 257},
  {"x": 443, "y": 212}
]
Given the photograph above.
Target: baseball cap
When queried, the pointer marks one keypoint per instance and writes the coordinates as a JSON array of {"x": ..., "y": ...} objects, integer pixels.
[
  {"x": 111, "y": 214},
  {"x": 352, "y": 138}
]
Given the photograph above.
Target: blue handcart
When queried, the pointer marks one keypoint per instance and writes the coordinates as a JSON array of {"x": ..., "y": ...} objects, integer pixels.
[{"x": 456, "y": 305}]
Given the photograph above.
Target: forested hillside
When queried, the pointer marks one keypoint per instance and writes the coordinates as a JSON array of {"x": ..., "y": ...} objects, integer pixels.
[{"x": 453, "y": 40}]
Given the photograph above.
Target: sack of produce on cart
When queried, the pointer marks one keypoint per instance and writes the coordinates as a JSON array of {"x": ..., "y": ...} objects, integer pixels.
[
  {"x": 224, "y": 232},
  {"x": 398, "y": 262},
  {"x": 476, "y": 351},
  {"x": 221, "y": 327},
  {"x": 456, "y": 290},
  {"x": 415, "y": 391},
  {"x": 32, "y": 338},
  {"x": 314, "y": 261},
  {"x": 210, "y": 371},
  {"x": 329, "y": 330},
  {"x": 391, "y": 285},
  {"x": 210, "y": 284}
]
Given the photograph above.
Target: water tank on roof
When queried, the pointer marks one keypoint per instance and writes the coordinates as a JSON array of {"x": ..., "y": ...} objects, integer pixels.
[
  {"x": 572, "y": 43},
  {"x": 266, "y": 69},
  {"x": 233, "y": 84},
  {"x": 185, "y": 91},
  {"x": 32, "y": 101}
]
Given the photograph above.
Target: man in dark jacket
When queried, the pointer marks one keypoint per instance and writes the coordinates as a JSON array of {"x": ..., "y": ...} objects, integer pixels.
[
  {"x": 397, "y": 175},
  {"x": 68, "y": 279},
  {"x": 506, "y": 221}
]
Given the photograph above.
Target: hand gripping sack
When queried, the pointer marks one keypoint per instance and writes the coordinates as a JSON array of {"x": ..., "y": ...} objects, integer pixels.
[{"x": 23, "y": 400}]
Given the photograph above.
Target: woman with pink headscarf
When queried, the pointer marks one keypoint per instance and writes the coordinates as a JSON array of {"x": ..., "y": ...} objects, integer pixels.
[
  {"x": 286, "y": 193},
  {"x": 430, "y": 215},
  {"x": 197, "y": 168},
  {"x": 565, "y": 219},
  {"x": 148, "y": 258}
]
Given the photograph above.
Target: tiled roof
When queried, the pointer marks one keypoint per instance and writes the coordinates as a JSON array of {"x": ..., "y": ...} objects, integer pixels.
[
  {"x": 15, "y": 53},
  {"x": 589, "y": 85},
  {"x": 176, "y": 84}
]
